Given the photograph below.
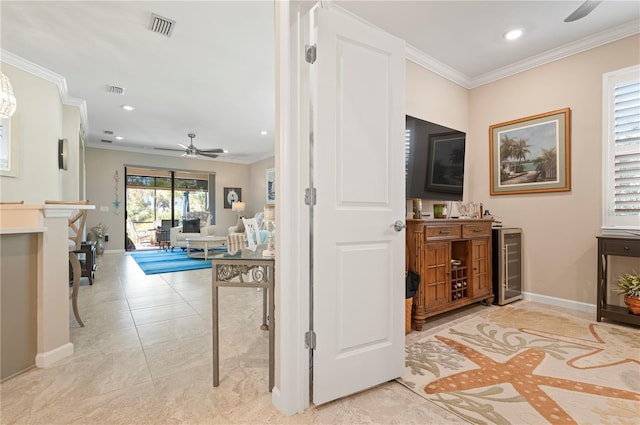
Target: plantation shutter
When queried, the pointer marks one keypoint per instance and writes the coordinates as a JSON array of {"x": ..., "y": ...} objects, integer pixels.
[
  {"x": 621, "y": 151},
  {"x": 627, "y": 149}
]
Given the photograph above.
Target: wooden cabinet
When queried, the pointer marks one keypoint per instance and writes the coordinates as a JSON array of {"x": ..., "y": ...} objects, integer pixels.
[{"x": 446, "y": 284}]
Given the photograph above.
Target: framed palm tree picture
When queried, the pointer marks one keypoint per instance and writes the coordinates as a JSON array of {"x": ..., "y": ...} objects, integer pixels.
[{"x": 532, "y": 154}]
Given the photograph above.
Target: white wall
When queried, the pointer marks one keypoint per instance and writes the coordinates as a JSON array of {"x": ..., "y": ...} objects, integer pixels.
[{"x": 40, "y": 120}]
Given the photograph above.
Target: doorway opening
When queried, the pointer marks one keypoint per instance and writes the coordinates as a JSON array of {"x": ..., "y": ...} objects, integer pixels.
[{"x": 158, "y": 199}]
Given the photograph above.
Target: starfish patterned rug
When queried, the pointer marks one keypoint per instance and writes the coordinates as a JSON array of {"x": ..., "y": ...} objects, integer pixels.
[{"x": 510, "y": 365}]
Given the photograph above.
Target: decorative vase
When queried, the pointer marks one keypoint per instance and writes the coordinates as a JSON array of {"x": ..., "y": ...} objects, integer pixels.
[
  {"x": 633, "y": 304},
  {"x": 100, "y": 246}
]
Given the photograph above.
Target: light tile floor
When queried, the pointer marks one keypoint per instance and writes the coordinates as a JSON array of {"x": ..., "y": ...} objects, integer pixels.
[{"x": 145, "y": 357}]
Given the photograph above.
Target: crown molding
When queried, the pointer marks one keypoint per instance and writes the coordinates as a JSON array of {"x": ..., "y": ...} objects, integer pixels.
[
  {"x": 569, "y": 49},
  {"x": 58, "y": 80},
  {"x": 147, "y": 151},
  {"x": 428, "y": 62},
  {"x": 420, "y": 58}
]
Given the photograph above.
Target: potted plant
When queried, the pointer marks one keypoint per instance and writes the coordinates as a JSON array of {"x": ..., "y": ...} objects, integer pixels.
[{"x": 629, "y": 285}]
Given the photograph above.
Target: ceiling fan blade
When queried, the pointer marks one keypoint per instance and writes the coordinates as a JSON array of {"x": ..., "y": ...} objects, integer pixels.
[
  {"x": 183, "y": 146},
  {"x": 583, "y": 10},
  {"x": 208, "y": 155},
  {"x": 218, "y": 150},
  {"x": 170, "y": 149}
]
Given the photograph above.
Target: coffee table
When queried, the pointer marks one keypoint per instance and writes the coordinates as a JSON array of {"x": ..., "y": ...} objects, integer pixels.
[{"x": 205, "y": 243}]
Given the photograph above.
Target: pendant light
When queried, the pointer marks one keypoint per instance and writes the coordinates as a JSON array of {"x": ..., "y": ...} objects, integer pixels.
[{"x": 7, "y": 98}]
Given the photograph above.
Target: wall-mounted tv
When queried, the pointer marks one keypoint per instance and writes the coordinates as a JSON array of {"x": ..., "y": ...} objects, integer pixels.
[{"x": 434, "y": 165}]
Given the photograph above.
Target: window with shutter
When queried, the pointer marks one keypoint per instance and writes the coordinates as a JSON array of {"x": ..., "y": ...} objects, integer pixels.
[{"x": 621, "y": 150}]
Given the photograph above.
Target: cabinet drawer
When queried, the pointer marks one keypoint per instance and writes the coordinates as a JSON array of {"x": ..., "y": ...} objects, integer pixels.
[
  {"x": 623, "y": 247},
  {"x": 475, "y": 230},
  {"x": 442, "y": 232}
]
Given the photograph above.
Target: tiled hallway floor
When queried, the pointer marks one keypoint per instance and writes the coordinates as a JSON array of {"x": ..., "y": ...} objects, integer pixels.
[{"x": 145, "y": 357}]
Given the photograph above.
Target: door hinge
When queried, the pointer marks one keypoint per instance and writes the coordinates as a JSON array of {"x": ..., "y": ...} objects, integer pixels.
[
  {"x": 310, "y": 196},
  {"x": 310, "y": 340},
  {"x": 310, "y": 53}
]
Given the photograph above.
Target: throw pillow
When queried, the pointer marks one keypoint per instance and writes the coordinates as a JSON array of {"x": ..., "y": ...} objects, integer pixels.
[{"x": 191, "y": 226}]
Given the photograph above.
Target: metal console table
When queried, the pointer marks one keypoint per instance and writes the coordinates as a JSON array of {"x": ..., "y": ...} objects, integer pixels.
[
  {"x": 232, "y": 270},
  {"x": 624, "y": 246}
]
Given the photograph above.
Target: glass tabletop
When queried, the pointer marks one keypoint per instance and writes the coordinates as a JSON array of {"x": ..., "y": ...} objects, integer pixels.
[{"x": 243, "y": 254}]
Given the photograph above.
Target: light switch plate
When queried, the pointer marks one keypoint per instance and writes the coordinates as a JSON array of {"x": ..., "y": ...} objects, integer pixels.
[{"x": 104, "y": 209}]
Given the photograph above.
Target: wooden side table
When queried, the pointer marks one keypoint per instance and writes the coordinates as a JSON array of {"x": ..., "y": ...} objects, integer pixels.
[{"x": 623, "y": 246}]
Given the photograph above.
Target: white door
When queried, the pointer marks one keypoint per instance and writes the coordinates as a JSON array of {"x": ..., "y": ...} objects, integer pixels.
[{"x": 357, "y": 85}]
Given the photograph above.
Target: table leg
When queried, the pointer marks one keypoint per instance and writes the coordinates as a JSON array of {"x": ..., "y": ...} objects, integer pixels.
[
  {"x": 264, "y": 325},
  {"x": 75, "y": 266},
  {"x": 206, "y": 251},
  {"x": 216, "y": 345},
  {"x": 272, "y": 327}
]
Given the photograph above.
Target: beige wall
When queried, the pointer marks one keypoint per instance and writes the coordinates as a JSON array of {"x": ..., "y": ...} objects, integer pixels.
[
  {"x": 559, "y": 229},
  {"x": 40, "y": 120},
  {"x": 258, "y": 184},
  {"x": 101, "y": 165},
  {"x": 69, "y": 184},
  {"x": 433, "y": 98}
]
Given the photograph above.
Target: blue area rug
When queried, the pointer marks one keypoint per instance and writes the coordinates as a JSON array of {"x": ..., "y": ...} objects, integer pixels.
[{"x": 153, "y": 262}]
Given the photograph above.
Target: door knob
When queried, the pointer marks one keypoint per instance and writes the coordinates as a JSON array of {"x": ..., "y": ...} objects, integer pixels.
[{"x": 399, "y": 225}]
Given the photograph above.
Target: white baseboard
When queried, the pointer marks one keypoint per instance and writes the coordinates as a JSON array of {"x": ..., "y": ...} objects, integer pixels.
[
  {"x": 50, "y": 357},
  {"x": 560, "y": 302}
]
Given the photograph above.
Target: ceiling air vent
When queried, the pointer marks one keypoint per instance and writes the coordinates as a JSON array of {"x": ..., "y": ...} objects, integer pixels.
[
  {"x": 162, "y": 25},
  {"x": 108, "y": 132},
  {"x": 105, "y": 141},
  {"x": 115, "y": 90}
]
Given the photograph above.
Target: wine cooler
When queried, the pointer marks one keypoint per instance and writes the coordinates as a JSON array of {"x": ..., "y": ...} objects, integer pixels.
[{"x": 507, "y": 265}]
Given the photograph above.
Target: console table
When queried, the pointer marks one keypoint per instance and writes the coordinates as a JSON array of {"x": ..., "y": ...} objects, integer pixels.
[
  {"x": 624, "y": 246},
  {"x": 232, "y": 270}
]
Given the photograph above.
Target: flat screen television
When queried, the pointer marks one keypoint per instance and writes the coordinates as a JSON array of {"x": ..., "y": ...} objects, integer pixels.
[{"x": 434, "y": 164}]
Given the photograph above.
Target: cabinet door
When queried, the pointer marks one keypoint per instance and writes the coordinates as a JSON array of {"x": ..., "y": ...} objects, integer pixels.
[
  {"x": 481, "y": 266},
  {"x": 436, "y": 279}
]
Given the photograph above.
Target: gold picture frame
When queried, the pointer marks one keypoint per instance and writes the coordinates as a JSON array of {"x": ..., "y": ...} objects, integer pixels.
[{"x": 532, "y": 154}]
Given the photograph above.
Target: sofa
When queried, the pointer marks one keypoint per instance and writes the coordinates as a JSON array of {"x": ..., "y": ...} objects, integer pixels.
[
  {"x": 195, "y": 225},
  {"x": 236, "y": 235}
]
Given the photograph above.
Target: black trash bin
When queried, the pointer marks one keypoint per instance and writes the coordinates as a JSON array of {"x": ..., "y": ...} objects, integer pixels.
[{"x": 412, "y": 282}]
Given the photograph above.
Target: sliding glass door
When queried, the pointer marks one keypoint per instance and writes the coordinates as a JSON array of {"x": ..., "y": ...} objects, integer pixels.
[{"x": 155, "y": 197}]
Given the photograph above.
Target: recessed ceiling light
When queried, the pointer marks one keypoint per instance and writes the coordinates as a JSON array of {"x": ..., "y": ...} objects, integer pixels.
[
  {"x": 513, "y": 34},
  {"x": 225, "y": 151},
  {"x": 128, "y": 108},
  {"x": 119, "y": 137},
  {"x": 263, "y": 132}
]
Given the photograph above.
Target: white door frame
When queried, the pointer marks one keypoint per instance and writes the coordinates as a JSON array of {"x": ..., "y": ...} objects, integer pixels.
[{"x": 291, "y": 392}]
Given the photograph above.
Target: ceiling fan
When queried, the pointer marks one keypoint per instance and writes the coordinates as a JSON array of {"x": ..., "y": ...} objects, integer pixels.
[
  {"x": 191, "y": 150},
  {"x": 583, "y": 10}
]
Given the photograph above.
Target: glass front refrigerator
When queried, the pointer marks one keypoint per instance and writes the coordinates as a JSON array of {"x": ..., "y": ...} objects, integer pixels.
[{"x": 507, "y": 265}]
